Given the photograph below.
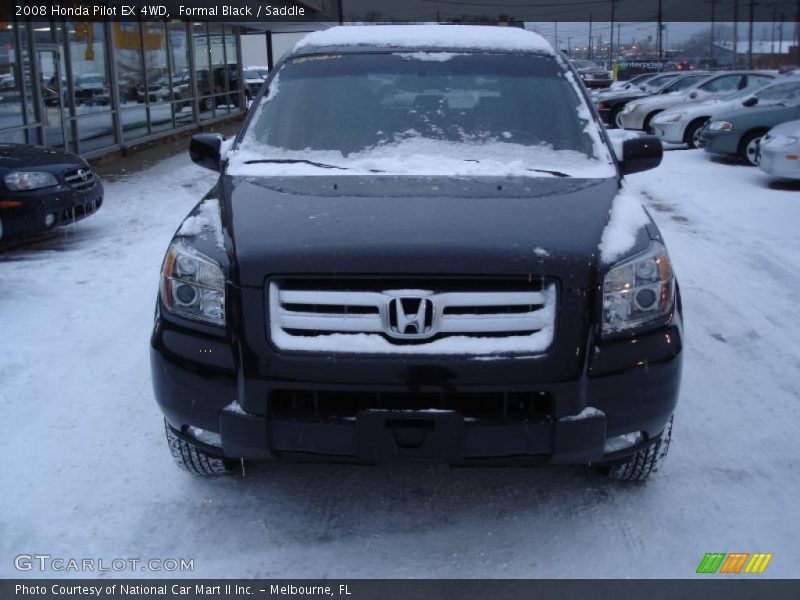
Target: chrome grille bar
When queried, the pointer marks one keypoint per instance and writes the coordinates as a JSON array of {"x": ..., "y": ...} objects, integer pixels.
[{"x": 303, "y": 319}]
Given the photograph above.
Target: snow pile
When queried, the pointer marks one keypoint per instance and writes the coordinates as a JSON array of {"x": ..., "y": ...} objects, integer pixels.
[
  {"x": 618, "y": 136},
  {"x": 472, "y": 37},
  {"x": 430, "y": 56},
  {"x": 206, "y": 219},
  {"x": 420, "y": 156},
  {"x": 628, "y": 216}
]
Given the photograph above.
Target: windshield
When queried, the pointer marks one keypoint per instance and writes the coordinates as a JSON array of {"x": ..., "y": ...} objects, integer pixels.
[
  {"x": 585, "y": 64},
  {"x": 661, "y": 80},
  {"x": 392, "y": 109},
  {"x": 743, "y": 93}
]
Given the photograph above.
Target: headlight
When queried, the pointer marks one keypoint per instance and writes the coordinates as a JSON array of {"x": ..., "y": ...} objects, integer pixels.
[
  {"x": 720, "y": 126},
  {"x": 638, "y": 290},
  {"x": 19, "y": 181},
  {"x": 193, "y": 285},
  {"x": 601, "y": 105},
  {"x": 630, "y": 107},
  {"x": 671, "y": 118}
]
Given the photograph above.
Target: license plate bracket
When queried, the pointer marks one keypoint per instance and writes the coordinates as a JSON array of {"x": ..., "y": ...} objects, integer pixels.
[{"x": 387, "y": 435}]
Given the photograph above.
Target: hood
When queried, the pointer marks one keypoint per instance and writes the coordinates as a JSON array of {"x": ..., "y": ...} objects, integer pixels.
[
  {"x": 632, "y": 94},
  {"x": 763, "y": 116},
  {"x": 788, "y": 128},
  {"x": 16, "y": 156},
  {"x": 416, "y": 226}
]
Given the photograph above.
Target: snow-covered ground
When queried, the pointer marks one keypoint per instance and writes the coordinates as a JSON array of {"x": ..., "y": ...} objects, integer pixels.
[{"x": 86, "y": 472}]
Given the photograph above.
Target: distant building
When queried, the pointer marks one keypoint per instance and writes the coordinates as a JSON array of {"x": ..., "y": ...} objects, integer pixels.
[{"x": 767, "y": 54}]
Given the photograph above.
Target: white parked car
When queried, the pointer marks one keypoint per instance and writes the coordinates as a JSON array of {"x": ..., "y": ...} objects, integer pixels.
[
  {"x": 779, "y": 151},
  {"x": 639, "y": 114},
  {"x": 682, "y": 124}
]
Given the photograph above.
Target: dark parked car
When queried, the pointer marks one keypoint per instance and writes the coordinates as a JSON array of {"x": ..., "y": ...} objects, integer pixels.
[
  {"x": 91, "y": 88},
  {"x": 42, "y": 188},
  {"x": 371, "y": 283},
  {"x": 592, "y": 74}
]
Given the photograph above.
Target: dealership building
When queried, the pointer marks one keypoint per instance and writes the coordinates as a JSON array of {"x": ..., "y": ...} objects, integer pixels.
[{"x": 103, "y": 88}]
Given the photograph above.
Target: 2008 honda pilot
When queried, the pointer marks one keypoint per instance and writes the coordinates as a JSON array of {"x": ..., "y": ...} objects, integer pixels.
[{"x": 420, "y": 247}]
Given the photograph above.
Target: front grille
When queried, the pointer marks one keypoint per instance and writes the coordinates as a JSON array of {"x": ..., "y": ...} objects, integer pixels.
[
  {"x": 326, "y": 406},
  {"x": 464, "y": 317},
  {"x": 80, "y": 179}
]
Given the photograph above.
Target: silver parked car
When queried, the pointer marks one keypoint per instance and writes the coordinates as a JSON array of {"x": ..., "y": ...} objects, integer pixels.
[{"x": 779, "y": 151}]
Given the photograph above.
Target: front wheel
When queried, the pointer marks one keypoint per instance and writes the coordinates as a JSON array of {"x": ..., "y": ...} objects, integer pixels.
[
  {"x": 692, "y": 136},
  {"x": 640, "y": 465},
  {"x": 194, "y": 459},
  {"x": 748, "y": 148}
]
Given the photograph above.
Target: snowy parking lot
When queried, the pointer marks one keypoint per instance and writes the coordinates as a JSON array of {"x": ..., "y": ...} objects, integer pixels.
[{"x": 86, "y": 471}]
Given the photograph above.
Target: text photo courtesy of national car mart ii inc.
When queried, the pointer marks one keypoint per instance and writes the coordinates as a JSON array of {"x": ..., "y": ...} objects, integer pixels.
[{"x": 196, "y": 590}]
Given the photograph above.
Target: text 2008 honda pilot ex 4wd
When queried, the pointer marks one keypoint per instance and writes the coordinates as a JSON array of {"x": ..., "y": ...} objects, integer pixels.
[{"x": 420, "y": 247}]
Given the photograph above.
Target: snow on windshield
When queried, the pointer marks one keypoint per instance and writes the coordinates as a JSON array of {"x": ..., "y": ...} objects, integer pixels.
[
  {"x": 413, "y": 114},
  {"x": 420, "y": 156},
  {"x": 471, "y": 37}
]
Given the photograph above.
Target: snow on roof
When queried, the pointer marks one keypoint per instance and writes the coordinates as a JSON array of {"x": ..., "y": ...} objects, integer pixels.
[{"x": 468, "y": 37}]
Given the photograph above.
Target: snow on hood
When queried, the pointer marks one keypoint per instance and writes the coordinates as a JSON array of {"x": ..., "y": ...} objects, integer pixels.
[
  {"x": 422, "y": 157},
  {"x": 628, "y": 216},
  {"x": 791, "y": 128},
  {"x": 414, "y": 37}
]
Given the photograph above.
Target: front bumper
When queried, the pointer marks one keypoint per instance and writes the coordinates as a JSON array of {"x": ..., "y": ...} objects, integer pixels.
[
  {"x": 671, "y": 132},
  {"x": 780, "y": 162},
  {"x": 631, "y": 120},
  {"x": 627, "y": 386},
  {"x": 28, "y": 213},
  {"x": 720, "y": 142}
]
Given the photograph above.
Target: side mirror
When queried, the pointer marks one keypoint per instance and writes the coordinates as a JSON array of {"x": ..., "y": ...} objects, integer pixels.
[
  {"x": 204, "y": 150},
  {"x": 641, "y": 154},
  {"x": 751, "y": 101}
]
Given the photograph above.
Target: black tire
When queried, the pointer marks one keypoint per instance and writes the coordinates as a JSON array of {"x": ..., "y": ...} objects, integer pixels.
[
  {"x": 748, "y": 147},
  {"x": 193, "y": 459},
  {"x": 646, "y": 461},
  {"x": 691, "y": 132}
]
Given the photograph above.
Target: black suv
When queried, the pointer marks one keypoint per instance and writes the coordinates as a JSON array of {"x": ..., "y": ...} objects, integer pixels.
[{"x": 406, "y": 257}]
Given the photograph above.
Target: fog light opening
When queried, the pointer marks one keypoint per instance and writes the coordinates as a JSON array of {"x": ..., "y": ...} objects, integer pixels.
[
  {"x": 49, "y": 219},
  {"x": 205, "y": 436},
  {"x": 621, "y": 442}
]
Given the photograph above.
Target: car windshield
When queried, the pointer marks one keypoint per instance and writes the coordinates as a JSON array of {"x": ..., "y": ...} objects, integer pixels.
[
  {"x": 585, "y": 64},
  {"x": 519, "y": 111},
  {"x": 739, "y": 94},
  {"x": 661, "y": 80}
]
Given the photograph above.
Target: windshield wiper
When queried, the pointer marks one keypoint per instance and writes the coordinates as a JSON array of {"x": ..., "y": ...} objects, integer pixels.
[
  {"x": 294, "y": 161},
  {"x": 555, "y": 173}
]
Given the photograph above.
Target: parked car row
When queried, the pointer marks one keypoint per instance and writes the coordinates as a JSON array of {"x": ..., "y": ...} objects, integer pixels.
[{"x": 726, "y": 113}]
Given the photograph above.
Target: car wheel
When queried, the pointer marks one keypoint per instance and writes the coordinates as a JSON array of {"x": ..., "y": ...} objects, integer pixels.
[
  {"x": 640, "y": 465},
  {"x": 692, "y": 135},
  {"x": 194, "y": 459},
  {"x": 748, "y": 148}
]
